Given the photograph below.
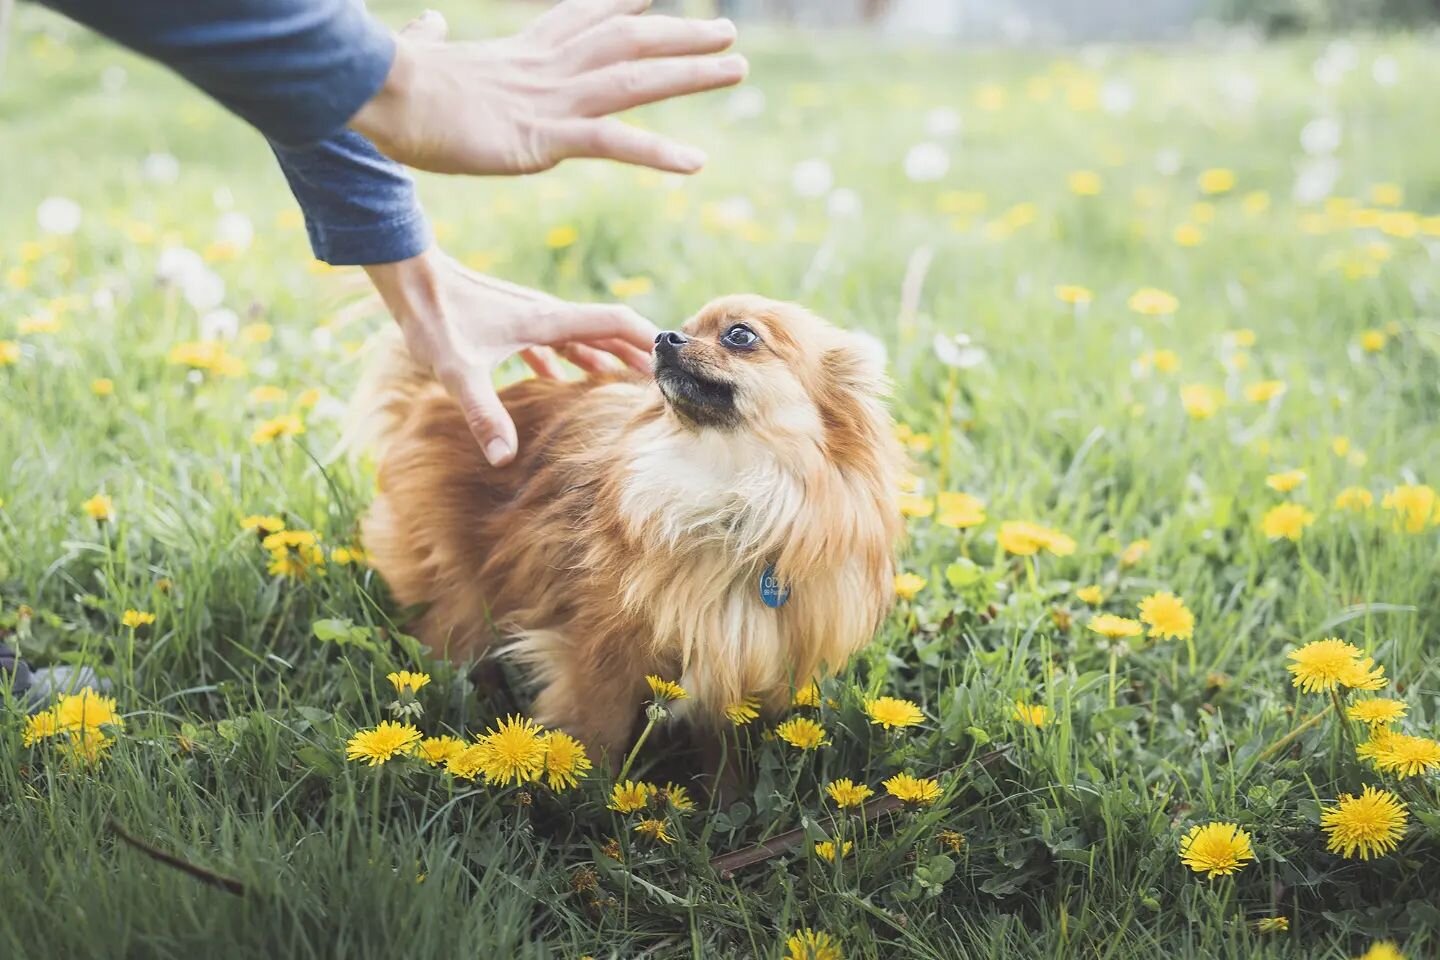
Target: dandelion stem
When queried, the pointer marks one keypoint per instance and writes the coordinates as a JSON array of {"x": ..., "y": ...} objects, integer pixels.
[
  {"x": 1289, "y": 738},
  {"x": 635, "y": 750},
  {"x": 1114, "y": 665}
]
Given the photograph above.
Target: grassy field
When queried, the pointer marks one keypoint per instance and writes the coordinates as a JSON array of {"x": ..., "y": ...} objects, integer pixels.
[{"x": 1287, "y": 334}]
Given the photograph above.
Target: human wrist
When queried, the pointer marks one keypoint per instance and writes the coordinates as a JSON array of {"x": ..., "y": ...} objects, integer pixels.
[{"x": 410, "y": 287}]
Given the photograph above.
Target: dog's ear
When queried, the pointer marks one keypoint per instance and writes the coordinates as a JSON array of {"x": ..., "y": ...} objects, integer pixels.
[{"x": 856, "y": 362}]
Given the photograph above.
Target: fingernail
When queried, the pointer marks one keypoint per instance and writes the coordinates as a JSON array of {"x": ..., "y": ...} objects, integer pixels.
[
  {"x": 733, "y": 66},
  {"x": 723, "y": 25},
  {"x": 497, "y": 451},
  {"x": 687, "y": 158}
]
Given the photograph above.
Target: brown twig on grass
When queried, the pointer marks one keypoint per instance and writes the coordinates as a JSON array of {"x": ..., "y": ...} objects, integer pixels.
[
  {"x": 228, "y": 884},
  {"x": 727, "y": 863}
]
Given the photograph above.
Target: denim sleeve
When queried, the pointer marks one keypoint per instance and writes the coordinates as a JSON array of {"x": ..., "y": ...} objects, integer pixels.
[
  {"x": 359, "y": 206},
  {"x": 296, "y": 70}
]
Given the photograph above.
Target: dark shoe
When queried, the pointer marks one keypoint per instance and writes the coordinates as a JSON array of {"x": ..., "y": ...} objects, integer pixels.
[{"x": 14, "y": 672}]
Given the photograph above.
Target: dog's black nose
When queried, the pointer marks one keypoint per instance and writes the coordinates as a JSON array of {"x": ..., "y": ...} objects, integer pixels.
[{"x": 671, "y": 338}]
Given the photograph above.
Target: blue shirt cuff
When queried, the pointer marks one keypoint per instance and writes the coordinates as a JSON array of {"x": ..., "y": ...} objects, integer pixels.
[{"x": 360, "y": 207}]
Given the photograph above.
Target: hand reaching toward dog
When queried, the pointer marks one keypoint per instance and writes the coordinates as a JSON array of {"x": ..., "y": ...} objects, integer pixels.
[
  {"x": 463, "y": 324},
  {"x": 525, "y": 103}
]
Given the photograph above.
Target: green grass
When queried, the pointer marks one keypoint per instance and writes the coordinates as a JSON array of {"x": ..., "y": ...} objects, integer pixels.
[{"x": 1071, "y": 836}]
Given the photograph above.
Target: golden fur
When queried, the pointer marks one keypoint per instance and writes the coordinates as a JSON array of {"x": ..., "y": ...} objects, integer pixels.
[{"x": 629, "y": 535}]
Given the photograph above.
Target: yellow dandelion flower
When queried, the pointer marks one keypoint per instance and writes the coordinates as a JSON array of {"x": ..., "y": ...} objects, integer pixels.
[
  {"x": 1076, "y": 296},
  {"x": 86, "y": 747},
  {"x": 1201, "y": 401},
  {"x": 677, "y": 797},
  {"x": 1092, "y": 595},
  {"x": 86, "y": 710},
  {"x": 1216, "y": 180},
  {"x": 565, "y": 760},
  {"x": 1023, "y": 538},
  {"x": 1377, "y": 711},
  {"x": 1382, "y": 950},
  {"x": 627, "y": 287},
  {"x": 1401, "y": 754},
  {"x": 1265, "y": 391},
  {"x": 135, "y": 619},
  {"x": 558, "y": 238},
  {"x": 9, "y": 353},
  {"x": 1035, "y": 714},
  {"x": 1272, "y": 925},
  {"x": 655, "y": 830},
  {"x": 1369, "y": 825},
  {"x": 665, "y": 690},
  {"x": 1285, "y": 481},
  {"x": 256, "y": 333},
  {"x": 1114, "y": 628},
  {"x": 513, "y": 750},
  {"x": 1322, "y": 665},
  {"x": 438, "y": 750},
  {"x": 1355, "y": 499},
  {"x": 1187, "y": 235},
  {"x": 1152, "y": 302},
  {"x": 1255, "y": 203},
  {"x": 807, "y": 696},
  {"x": 1216, "y": 849},
  {"x": 628, "y": 796},
  {"x": 1167, "y": 616},
  {"x": 892, "y": 713},
  {"x": 1084, "y": 183},
  {"x": 1373, "y": 341},
  {"x": 1287, "y": 521},
  {"x": 908, "y": 585},
  {"x": 40, "y": 726},
  {"x": 919, "y": 791},
  {"x": 102, "y": 387},
  {"x": 825, "y": 850},
  {"x": 268, "y": 431},
  {"x": 802, "y": 733},
  {"x": 344, "y": 556},
  {"x": 208, "y": 355},
  {"x": 952, "y": 840},
  {"x": 467, "y": 762},
  {"x": 266, "y": 394},
  {"x": 405, "y": 680},
  {"x": 262, "y": 524},
  {"x": 960, "y": 511},
  {"x": 1414, "y": 505},
  {"x": 1164, "y": 360},
  {"x": 1134, "y": 552},
  {"x": 743, "y": 712},
  {"x": 1387, "y": 194},
  {"x": 99, "y": 507},
  {"x": 846, "y": 793},
  {"x": 807, "y": 944},
  {"x": 915, "y": 506},
  {"x": 385, "y": 740}
]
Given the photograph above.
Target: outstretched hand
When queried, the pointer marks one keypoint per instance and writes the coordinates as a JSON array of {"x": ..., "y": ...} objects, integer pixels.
[
  {"x": 463, "y": 324},
  {"x": 525, "y": 103}
]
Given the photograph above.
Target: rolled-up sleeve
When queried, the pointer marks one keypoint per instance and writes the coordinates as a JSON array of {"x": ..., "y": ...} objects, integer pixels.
[
  {"x": 297, "y": 70},
  {"x": 359, "y": 206}
]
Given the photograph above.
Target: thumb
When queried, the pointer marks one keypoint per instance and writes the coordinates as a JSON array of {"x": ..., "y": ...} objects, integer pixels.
[
  {"x": 430, "y": 25},
  {"x": 488, "y": 421}
]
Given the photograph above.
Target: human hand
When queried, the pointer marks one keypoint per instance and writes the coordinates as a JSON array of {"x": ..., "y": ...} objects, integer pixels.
[
  {"x": 462, "y": 324},
  {"x": 524, "y": 103}
]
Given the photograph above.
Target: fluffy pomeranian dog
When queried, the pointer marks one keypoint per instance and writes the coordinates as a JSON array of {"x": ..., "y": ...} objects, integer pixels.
[{"x": 730, "y": 524}]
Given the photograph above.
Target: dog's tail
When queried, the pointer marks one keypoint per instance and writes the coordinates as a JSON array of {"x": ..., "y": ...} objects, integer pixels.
[{"x": 390, "y": 383}]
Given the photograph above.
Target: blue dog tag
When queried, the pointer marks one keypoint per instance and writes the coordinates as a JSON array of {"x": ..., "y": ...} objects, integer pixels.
[{"x": 773, "y": 593}]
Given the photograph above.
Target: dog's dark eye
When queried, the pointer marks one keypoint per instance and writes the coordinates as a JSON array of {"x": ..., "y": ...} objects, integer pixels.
[{"x": 740, "y": 336}]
